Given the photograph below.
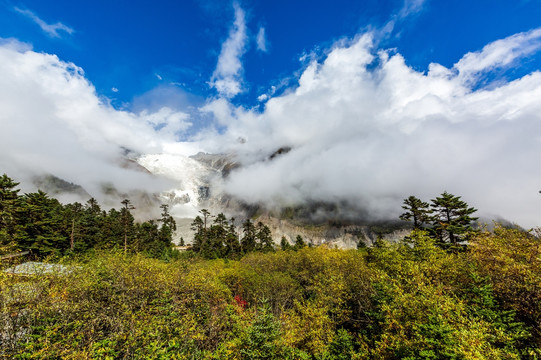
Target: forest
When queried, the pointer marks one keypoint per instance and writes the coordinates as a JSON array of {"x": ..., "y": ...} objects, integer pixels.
[{"x": 449, "y": 290}]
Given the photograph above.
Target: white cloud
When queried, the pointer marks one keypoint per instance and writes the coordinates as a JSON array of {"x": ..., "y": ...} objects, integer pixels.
[
  {"x": 54, "y": 122},
  {"x": 498, "y": 54},
  {"x": 51, "y": 29},
  {"x": 362, "y": 135},
  {"x": 227, "y": 78},
  {"x": 114, "y": 89},
  {"x": 166, "y": 121},
  {"x": 261, "y": 40},
  {"x": 371, "y": 137}
]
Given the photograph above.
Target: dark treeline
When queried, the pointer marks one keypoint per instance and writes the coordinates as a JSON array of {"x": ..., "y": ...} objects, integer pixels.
[
  {"x": 42, "y": 225},
  {"x": 218, "y": 238},
  {"x": 38, "y": 223}
]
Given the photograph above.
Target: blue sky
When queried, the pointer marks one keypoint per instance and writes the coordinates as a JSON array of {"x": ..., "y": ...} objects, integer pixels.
[
  {"x": 134, "y": 47},
  {"x": 378, "y": 100}
]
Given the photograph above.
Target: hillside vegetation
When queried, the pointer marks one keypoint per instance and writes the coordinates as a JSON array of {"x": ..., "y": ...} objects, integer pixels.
[
  {"x": 410, "y": 300},
  {"x": 446, "y": 291}
]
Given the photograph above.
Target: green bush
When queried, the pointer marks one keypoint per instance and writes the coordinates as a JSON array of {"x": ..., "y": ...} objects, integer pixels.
[{"x": 408, "y": 300}]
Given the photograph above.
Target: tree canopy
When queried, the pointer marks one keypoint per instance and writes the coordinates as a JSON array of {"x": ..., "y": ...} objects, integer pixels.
[{"x": 447, "y": 218}]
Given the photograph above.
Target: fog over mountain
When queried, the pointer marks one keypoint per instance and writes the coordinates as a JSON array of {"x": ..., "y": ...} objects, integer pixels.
[{"x": 364, "y": 129}]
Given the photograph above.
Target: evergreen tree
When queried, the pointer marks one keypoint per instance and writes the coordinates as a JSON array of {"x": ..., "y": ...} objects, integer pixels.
[
  {"x": 200, "y": 233},
  {"x": 452, "y": 220},
  {"x": 111, "y": 230},
  {"x": 42, "y": 230},
  {"x": 263, "y": 236},
  {"x": 147, "y": 239},
  {"x": 248, "y": 241},
  {"x": 299, "y": 243},
  {"x": 201, "y": 237},
  {"x": 217, "y": 237},
  {"x": 127, "y": 222},
  {"x": 168, "y": 227},
  {"x": 417, "y": 211},
  {"x": 232, "y": 244},
  {"x": 73, "y": 216},
  {"x": 9, "y": 205},
  {"x": 284, "y": 244},
  {"x": 93, "y": 225}
]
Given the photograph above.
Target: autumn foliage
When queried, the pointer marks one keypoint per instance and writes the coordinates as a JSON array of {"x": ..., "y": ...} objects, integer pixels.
[{"x": 406, "y": 300}]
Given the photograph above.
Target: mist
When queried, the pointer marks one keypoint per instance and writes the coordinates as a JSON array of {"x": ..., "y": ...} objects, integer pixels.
[
  {"x": 364, "y": 128},
  {"x": 368, "y": 130},
  {"x": 54, "y": 122}
]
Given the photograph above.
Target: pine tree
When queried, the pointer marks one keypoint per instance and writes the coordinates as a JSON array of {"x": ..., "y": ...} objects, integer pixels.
[
  {"x": 168, "y": 227},
  {"x": 127, "y": 222},
  {"x": 217, "y": 237},
  {"x": 73, "y": 216},
  {"x": 9, "y": 205},
  {"x": 452, "y": 220},
  {"x": 42, "y": 231},
  {"x": 299, "y": 243},
  {"x": 263, "y": 236},
  {"x": 284, "y": 244},
  {"x": 418, "y": 211},
  {"x": 111, "y": 230},
  {"x": 197, "y": 226},
  {"x": 93, "y": 225},
  {"x": 248, "y": 242},
  {"x": 147, "y": 239},
  {"x": 232, "y": 244}
]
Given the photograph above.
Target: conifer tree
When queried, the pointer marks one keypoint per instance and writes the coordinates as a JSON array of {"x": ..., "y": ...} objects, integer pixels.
[
  {"x": 9, "y": 205},
  {"x": 42, "y": 230},
  {"x": 284, "y": 244},
  {"x": 168, "y": 227},
  {"x": 232, "y": 244},
  {"x": 127, "y": 221},
  {"x": 248, "y": 242},
  {"x": 73, "y": 215},
  {"x": 148, "y": 239},
  {"x": 264, "y": 238},
  {"x": 199, "y": 234},
  {"x": 299, "y": 243},
  {"x": 93, "y": 224},
  {"x": 217, "y": 236},
  {"x": 417, "y": 211},
  {"x": 452, "y": 220}
]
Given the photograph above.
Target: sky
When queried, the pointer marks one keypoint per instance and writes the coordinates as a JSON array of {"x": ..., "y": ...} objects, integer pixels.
[{"x": 378, "y": 100}]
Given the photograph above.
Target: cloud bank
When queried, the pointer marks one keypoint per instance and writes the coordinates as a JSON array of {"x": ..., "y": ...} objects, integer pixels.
[
  {"x": 365, "y": 129},
  {"x": 368, "y": 130},
  {"x": 53, "y": 122}
]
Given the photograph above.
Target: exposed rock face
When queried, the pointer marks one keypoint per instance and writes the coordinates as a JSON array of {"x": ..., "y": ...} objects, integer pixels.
[
  {"x": 56, "y": 187},
  {"x": 218, "y": 162},
  {"x": 191, "y": 176},
  {"x": 197, "y": 183},
  {"x": 199, "y": 180},
  {"x": 280, "y": 151},
  {"x": 342, "y": 237}
]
